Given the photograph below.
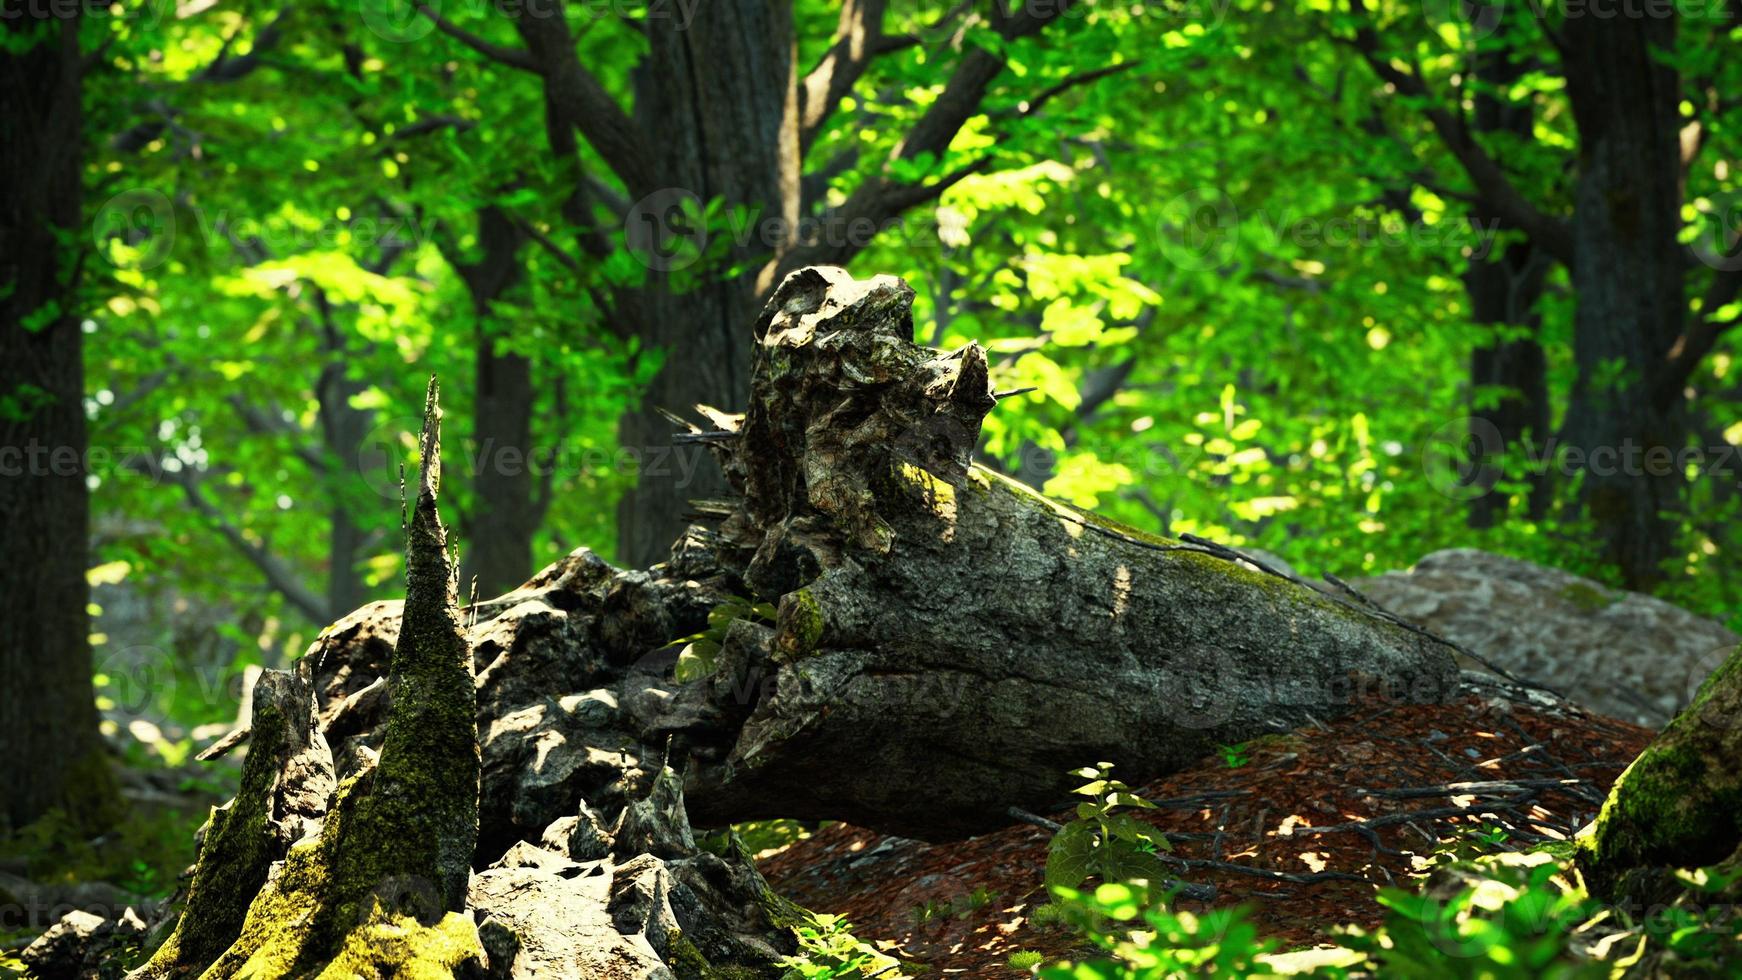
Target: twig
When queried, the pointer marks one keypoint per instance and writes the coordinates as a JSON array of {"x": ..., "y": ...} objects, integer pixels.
[
  {"x": 1023, "y": 816},
  {"x": 1195, "y": 864},
  {"x": 1474, "y": 788}
]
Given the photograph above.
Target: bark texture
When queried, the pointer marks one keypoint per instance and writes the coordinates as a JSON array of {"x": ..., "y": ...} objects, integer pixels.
[
  {"x": 1504, "y": 287},
  {"x": 944, "y": 644},
  {"x": 374, "y": 881},
  {"x": 51, "y": 755},
  {"x": 1628, "y": 274},
  {"x": 1679, "y": 805}
]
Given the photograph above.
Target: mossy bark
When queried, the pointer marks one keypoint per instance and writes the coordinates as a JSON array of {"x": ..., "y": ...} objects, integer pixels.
[
  {"x": 285, "y": 783},
  {"x": 392, "y": 860},
  {"x": 1679, "y": 805}
]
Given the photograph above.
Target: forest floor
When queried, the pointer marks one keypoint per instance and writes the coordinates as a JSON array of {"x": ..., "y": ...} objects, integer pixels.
[{"x": 1303, "y": 828}]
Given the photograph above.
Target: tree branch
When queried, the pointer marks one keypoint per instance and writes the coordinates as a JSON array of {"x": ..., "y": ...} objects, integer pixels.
[
  {"x": 580, "y": 101},
  {"x": 879, "y": 198},
  {"x": 501, "y": 54},
  {"x": 1491, "y": 182},
  {"x": 280, "y": 576},
  {"x": 858, "y": 41},
  {"x": 1702, "y": 335}
]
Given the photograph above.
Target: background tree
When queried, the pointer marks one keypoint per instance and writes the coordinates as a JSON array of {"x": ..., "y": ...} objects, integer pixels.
[{"x": 50, "y": 755}]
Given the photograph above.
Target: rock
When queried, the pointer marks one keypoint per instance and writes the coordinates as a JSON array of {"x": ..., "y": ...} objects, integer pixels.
[
  {"x": 84, "y": 946},
  {"x": 1624, "y": 654}
]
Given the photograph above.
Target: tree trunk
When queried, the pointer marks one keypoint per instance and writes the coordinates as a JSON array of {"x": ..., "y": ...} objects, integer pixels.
[
  {"x": 722, "y": 94},
  {"x": 1628, "y": 275},
  {"x": 1504, "y": 288},
  {"x": 1503, "y": 291},
  {"x": 343, "y": 430},
  {"x": 376, "y": 879},
  {"x": 504, "y": 516},
  {"x": 938, "y": 645},
  {"x": 50, "y": 751}
]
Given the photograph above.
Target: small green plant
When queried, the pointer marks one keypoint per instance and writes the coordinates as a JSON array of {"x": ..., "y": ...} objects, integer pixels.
[
  {"x": 1105, "y": 840},
  {"x": 1516, "y": 921},
  {"x": 959, "y": 907},
  {"x": 1146, "y": 941},
  {"x": 828, "y": 950},
  {"x": 1235, "y": 755},
  {"x": 1024, "y": 959},
  {"x": 700, "y": 652}
]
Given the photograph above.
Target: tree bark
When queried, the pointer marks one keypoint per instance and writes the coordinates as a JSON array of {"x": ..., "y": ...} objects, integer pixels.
[
  {"x": 938, "y": 644},
  {"x": 504, "y": 516},
  {"x": 376, "y": 880},
  {"x": 1628, "y": 275},
  {"x": 50, "y": 752},
  {"x": 1504, "y": 287},
  {"x": 723, "y": 96},
  {"x": 1503, "y": 291},
  {"x": 1678, "y": 806}
]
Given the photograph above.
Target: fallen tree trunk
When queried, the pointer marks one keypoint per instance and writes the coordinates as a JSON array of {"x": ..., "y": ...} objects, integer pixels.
[{"x": 895, "y": 637}]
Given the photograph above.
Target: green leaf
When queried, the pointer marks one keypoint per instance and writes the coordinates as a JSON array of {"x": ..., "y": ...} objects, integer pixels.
[
  {"x": 1070, "y": 856},
  {"x": 696, "y": 661}
]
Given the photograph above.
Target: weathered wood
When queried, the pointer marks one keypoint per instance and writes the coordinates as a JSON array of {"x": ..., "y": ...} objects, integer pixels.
[
  {"x": 945, "y": 644},
  {"x": 950, "y": 642}
]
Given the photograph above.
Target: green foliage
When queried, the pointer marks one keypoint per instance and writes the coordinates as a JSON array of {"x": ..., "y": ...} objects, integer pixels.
[
  {"x": 1518, "y": 923},
  {"x": 144, "y": 854},
  {"x": 698, "y": 652},
  {"x": 1507, "y": 916},
  {"x": 1146, "y": 941},
  {"x": 1235, "y": 756},
  {"x": 958, "y": 907},
  {"x": 829, "y": 951},
  {"x": 1105, "y": 841}
]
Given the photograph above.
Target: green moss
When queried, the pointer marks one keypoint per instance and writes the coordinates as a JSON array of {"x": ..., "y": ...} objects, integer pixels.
[
  {"x": 1587, "y": 597},
  {"x": 233, "y": 861},
  {"x": 801, "y": 625},
  {"x": 688, "y": 963},
  {"x": 1680, "y": 803},
  {"x": 395, "y": 848},
  {"x": 386, "y": 945}
]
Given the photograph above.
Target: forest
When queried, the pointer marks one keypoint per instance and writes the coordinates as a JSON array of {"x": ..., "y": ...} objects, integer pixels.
[{"x": 726, "y": 489}]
